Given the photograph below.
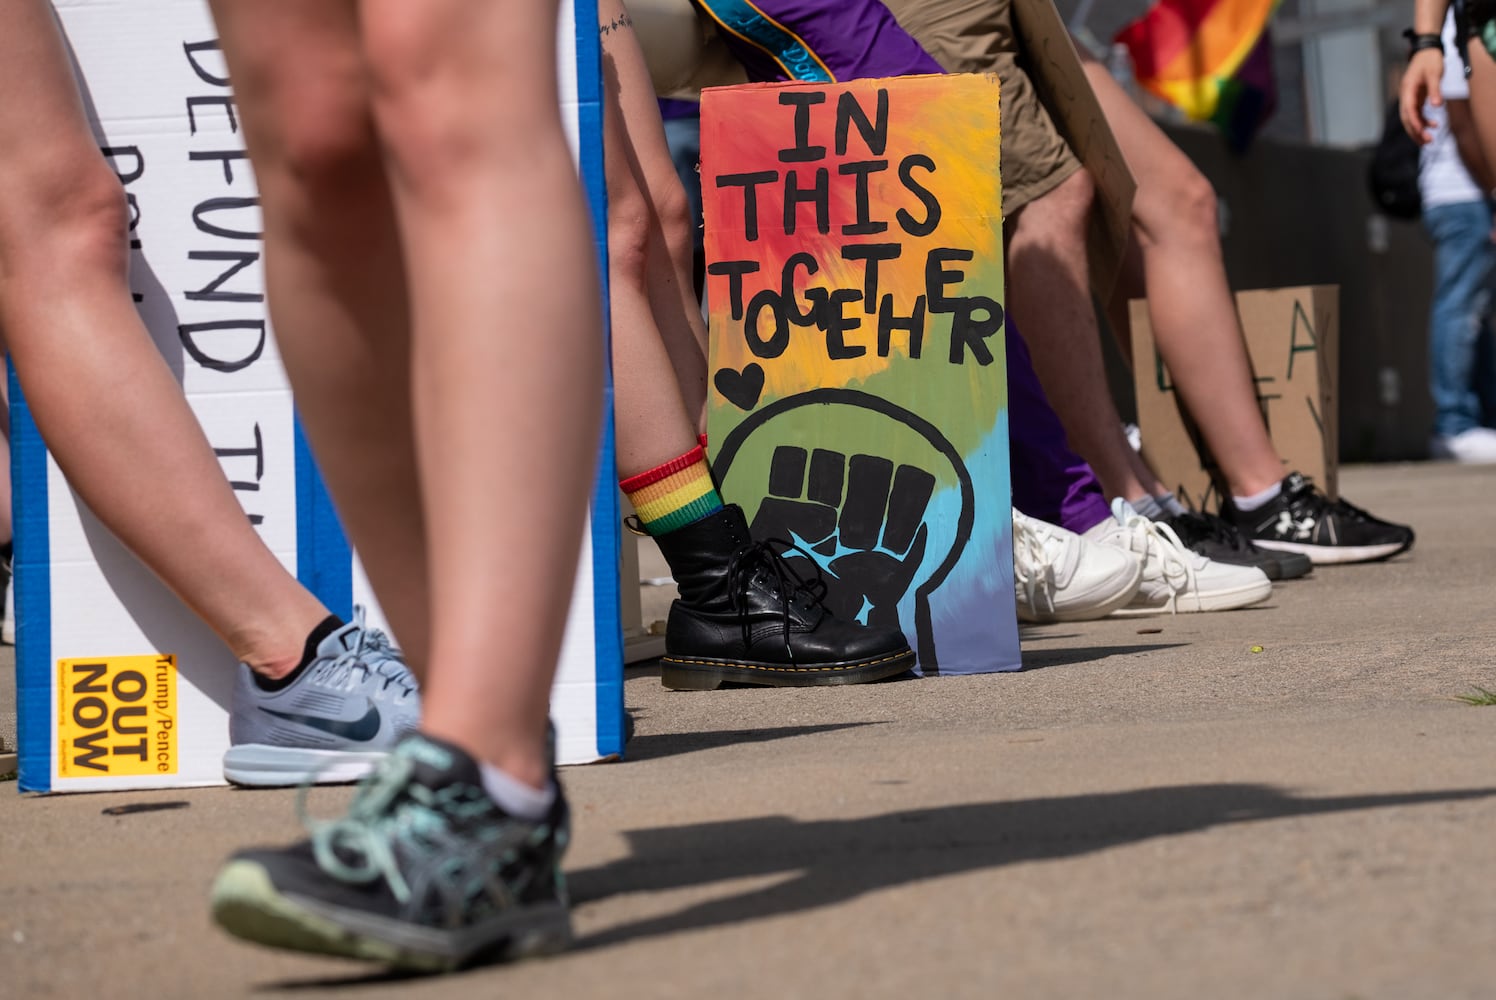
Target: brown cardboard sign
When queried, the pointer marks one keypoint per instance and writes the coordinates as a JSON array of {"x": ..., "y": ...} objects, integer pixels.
[
  {"x": 1055, "y": 68},
  {"x": 1292, "y": 337}
]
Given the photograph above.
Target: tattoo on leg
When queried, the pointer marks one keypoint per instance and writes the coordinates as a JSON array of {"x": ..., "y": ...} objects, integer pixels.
[{"x": 618, "y": 24}]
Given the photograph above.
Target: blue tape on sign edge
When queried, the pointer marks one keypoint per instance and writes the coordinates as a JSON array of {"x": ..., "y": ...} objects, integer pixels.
[
  {"x": 30, "y": 520},
  {"x": 606, "y": 526},
  {"x": 324, "y": 560}
]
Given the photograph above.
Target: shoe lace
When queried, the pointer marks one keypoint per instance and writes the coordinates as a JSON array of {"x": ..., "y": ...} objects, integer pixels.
[
  {"x": 1031, "y": 566},
  {"x": 760, "y": 562},
  {"x": 356, "y": 848},
  {"x": 1349, "y": 510},
  {"x": 1306, "y": 497},
  {"x": 374, "y": 655},
  {"x": 391, "y": 816},
  {"x": 1317, "y": 503},
  {"x": 1175, "y": 560},
  {"x": 1209, "y": 527}
]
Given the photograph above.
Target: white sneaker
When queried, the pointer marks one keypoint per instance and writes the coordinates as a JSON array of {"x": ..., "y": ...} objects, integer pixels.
[
  {"x": 1058, "y": 576},
  {"x": 1477, "y": 446},
  {"x": 1175, "y": 579}
]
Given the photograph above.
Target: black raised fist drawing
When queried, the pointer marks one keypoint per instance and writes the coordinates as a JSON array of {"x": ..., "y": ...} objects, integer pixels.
[{"x": 860, "y": 515}]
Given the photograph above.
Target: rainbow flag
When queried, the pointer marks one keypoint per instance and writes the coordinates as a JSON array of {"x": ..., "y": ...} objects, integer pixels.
[{"x": 1210, "y": 58}]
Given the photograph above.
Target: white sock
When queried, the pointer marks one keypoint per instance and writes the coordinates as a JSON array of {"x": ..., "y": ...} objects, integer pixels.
[
  {"x": 1148, "y": 506},
  {"x": 1245, "y": 504},
  {"x": 1169, "y": 503},
  {"x": 514, "y": 796}
]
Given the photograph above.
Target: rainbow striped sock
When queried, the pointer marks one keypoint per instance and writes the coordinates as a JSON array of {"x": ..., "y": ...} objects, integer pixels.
[{"x": 675, "y": 494}]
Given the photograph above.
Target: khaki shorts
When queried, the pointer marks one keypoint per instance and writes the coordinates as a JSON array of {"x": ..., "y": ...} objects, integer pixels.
[{"x": 976, "y": 36}]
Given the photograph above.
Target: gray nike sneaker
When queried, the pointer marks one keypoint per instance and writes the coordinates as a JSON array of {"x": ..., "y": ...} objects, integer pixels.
[{"x": 333, "y": 724}]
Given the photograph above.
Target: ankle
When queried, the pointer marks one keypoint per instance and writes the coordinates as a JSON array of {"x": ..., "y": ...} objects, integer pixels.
[
  {"x": 700, "y": 554},
  {"x": 275, "y": 668},
  {"x": 673, "y": 495},
  {"x": 1247, "y": 502},
  {"x": 520, "y": 799}
]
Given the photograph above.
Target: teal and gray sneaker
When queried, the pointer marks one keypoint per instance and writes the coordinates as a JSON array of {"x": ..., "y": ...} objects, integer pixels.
[
  {"x": 341, "y": 715},
  {"x": 425, "y": 872}
]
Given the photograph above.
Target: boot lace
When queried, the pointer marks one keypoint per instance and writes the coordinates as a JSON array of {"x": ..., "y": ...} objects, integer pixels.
[{"x": 760, "y": 563}]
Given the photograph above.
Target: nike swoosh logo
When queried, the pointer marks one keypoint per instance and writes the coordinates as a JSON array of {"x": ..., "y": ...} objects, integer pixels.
[{"x": 360, "y": 730}]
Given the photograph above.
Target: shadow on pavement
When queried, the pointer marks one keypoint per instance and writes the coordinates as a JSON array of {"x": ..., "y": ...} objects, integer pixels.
[
  {"x": 1037, "y": 659},
  {"x": 672, "y": 744},
  {"x": 828, "y": 861},
  {"x": 377, "y": 977}
]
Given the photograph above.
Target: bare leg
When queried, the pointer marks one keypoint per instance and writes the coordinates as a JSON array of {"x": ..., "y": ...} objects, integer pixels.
[
  {"x": 452, "y": 180},
  {"x": 333, "y": 266},
  {"x": 490, "y": 216},
  {"x": 656, "y": 320},
  {"x": 1049, "y": 294},
  {"x": 1189, "y": 300},
  {"x": 671, "y": 290},
  {"x": 86, "y": 363},
  {"x": 7, "y": 529},
  {"x": 1483, "y": 97},
  {"x": 654, "y": 423}
]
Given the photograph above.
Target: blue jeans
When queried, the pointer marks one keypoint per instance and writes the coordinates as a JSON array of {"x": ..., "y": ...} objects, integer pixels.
[{"x": 1462, "y": 370}]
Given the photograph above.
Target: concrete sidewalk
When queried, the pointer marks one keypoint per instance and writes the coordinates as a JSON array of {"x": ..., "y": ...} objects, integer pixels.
[{"x": 1151, "y": 810}]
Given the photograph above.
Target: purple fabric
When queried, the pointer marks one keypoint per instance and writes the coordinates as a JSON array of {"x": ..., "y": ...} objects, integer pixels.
[
  {"x": 671, "y": 109},
  {"x": 854, "y": 39},
  {"x": 1050, "y": 482}
]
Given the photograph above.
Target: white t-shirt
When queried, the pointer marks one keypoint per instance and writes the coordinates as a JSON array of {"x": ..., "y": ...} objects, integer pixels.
[{"x": 1442, "y": 177}]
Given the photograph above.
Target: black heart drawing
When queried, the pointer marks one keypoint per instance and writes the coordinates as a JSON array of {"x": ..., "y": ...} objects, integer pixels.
[{"x": 740, "y": 388}]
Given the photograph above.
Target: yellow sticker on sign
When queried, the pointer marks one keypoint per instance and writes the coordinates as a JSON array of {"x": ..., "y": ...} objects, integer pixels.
[{"x": 117, "y": 715}]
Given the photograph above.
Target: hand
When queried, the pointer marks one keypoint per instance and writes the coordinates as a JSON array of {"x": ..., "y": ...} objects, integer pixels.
[
  {"x": 1420, "y": 85},
  {"x": 862, "y": 516}
]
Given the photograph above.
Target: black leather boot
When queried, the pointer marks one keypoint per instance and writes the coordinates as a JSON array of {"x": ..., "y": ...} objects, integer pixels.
[{"x": 744, "y": 616}]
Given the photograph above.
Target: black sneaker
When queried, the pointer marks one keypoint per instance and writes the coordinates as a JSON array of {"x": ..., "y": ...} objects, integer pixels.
[
  {"x": 1219, "y": 541},
  {"x": 744, "y": 616},
  {"x": 1302, "y": 519},
  {"x": 424, "y": 872}
]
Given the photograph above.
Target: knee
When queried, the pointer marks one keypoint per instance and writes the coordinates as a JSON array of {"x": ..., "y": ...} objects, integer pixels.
[
  {"x": 1183, "y": 211},
  {"x": 629, "y": 221},
  {"x": 324, "y": 146},
  {"x": 71, "y": 209},
  {"x": 432, "y": 126},
  {"x": 1196, "y": 206},
  {"x": 673, "y": 210},
  {"x": 1056, "y": 219},
  {"x": 465, "y": 102},
  {"x": 1073, "y": 198},
  {"x": 402, "y": 61},
  {"x": 309, "y": 124}
]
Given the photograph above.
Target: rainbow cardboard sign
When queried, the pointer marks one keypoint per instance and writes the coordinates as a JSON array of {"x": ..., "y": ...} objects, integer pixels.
[{"x": 859, "y": 389}]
